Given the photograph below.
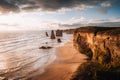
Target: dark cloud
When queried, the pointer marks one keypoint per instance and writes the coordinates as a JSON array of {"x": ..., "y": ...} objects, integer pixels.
[
  {"x": 6, "y": 5},
  {"x": 115, "y": 2},
  {"x": 58, "y": 4},
  {"x": 48, "y": 5}
]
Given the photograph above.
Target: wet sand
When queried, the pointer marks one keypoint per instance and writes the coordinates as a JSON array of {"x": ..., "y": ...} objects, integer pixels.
[{"x": 68, "y": 60}]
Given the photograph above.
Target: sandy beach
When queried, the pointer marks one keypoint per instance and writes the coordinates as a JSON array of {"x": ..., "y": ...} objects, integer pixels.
[{"x": 68, "y": 60}]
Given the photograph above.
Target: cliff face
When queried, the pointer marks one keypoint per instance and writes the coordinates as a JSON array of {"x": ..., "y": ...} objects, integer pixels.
[{"x": 101, "y": 44}]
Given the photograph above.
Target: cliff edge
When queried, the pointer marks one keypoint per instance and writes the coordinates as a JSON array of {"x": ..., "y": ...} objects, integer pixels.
[{"x": 101, "y": 44}]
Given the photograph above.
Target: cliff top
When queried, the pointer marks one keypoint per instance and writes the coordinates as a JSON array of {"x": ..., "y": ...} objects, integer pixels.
[{"x": 99, "y": 30}]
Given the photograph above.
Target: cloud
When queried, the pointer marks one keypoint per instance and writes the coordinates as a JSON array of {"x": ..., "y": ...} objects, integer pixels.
[
  {"x": 23, "y": 22},
  {"x": 111, "y": 22},
  {"x": 102, "y": 10},
  {"x": 115, "y": 2},
  {"x": 46, "y": 5},
  {"x": 59, "y": 4},
  {"x": 106, "y": 4},
  {"x": 106, "y": 24},
  {"x": 6, "y": 5}
]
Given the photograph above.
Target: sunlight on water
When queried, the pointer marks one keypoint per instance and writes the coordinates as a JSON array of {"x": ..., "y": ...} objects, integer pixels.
[{"x": 20, "y": 53}]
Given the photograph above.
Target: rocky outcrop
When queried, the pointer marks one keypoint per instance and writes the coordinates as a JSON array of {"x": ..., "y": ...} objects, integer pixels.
[
  {"x": 101, "y": 44},
  {"x": 45, "y": 47},
  {"x": 59, "y": 33},
  {"x": 59, "y": 40},
  {"x": 46, "y": 34},
  {"x": 52, "y": 35}
]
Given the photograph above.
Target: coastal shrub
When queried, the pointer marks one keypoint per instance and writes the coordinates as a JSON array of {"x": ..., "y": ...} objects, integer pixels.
[
  {"x": 86, "y": 71},
  {"x": 115, "y": 65},
  {"x": 95, "y": 71}
]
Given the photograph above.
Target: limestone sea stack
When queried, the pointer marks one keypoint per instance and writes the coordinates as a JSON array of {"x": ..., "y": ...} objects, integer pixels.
[
  {"x": 59, "y": 33},
  {"x": 59, "y": 40},
  {"x": 52, "y": 35},
  {"x": 46, "y": 34},
  {"x": 101, "y": 44}
]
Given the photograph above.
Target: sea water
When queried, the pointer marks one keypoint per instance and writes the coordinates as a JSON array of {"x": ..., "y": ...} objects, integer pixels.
[{"x": 20, "y": 53}]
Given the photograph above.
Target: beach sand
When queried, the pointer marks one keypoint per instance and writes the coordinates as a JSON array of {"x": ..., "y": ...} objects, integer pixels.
[{"x": 68, "y": 60}]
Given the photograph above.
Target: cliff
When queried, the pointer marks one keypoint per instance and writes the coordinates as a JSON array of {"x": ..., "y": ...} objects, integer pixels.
[{"x": 101, "y": 44}]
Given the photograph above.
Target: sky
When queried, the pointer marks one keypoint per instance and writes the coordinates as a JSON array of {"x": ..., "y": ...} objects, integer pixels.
[{"x": 58, "y": 14}]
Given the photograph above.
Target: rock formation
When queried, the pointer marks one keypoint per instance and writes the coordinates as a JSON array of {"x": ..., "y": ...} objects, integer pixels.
[
  {"x": 46, "y": 34},
  {"x": 59, "y": 40},
  {"x": 52, "y": 35},
  {"x": 45, "y": 47},
  {"x": 59, "y": 33},
  {"x": 101, "y": 44}
]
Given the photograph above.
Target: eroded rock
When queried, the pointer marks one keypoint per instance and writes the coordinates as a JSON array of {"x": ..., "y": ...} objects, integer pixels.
[
  {"x": 46, "y": 34},
  {"x": 101, "y": 44},
  {"x": 45, "y": 47},
  {"x": 52, "y": 35},
  {"x": 59, "y": 40},
  {"x": 59, "y": 33}
]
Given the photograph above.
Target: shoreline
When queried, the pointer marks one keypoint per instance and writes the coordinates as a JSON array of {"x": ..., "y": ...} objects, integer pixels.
[{"x": 67, "y": 61}]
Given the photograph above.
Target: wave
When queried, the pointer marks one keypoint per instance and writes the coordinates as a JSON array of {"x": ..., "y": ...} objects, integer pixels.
[{"x": 20, "y": 53}]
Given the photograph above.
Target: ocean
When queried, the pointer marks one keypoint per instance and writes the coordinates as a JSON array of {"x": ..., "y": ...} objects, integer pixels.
[{"x": 20, "y": 54}]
